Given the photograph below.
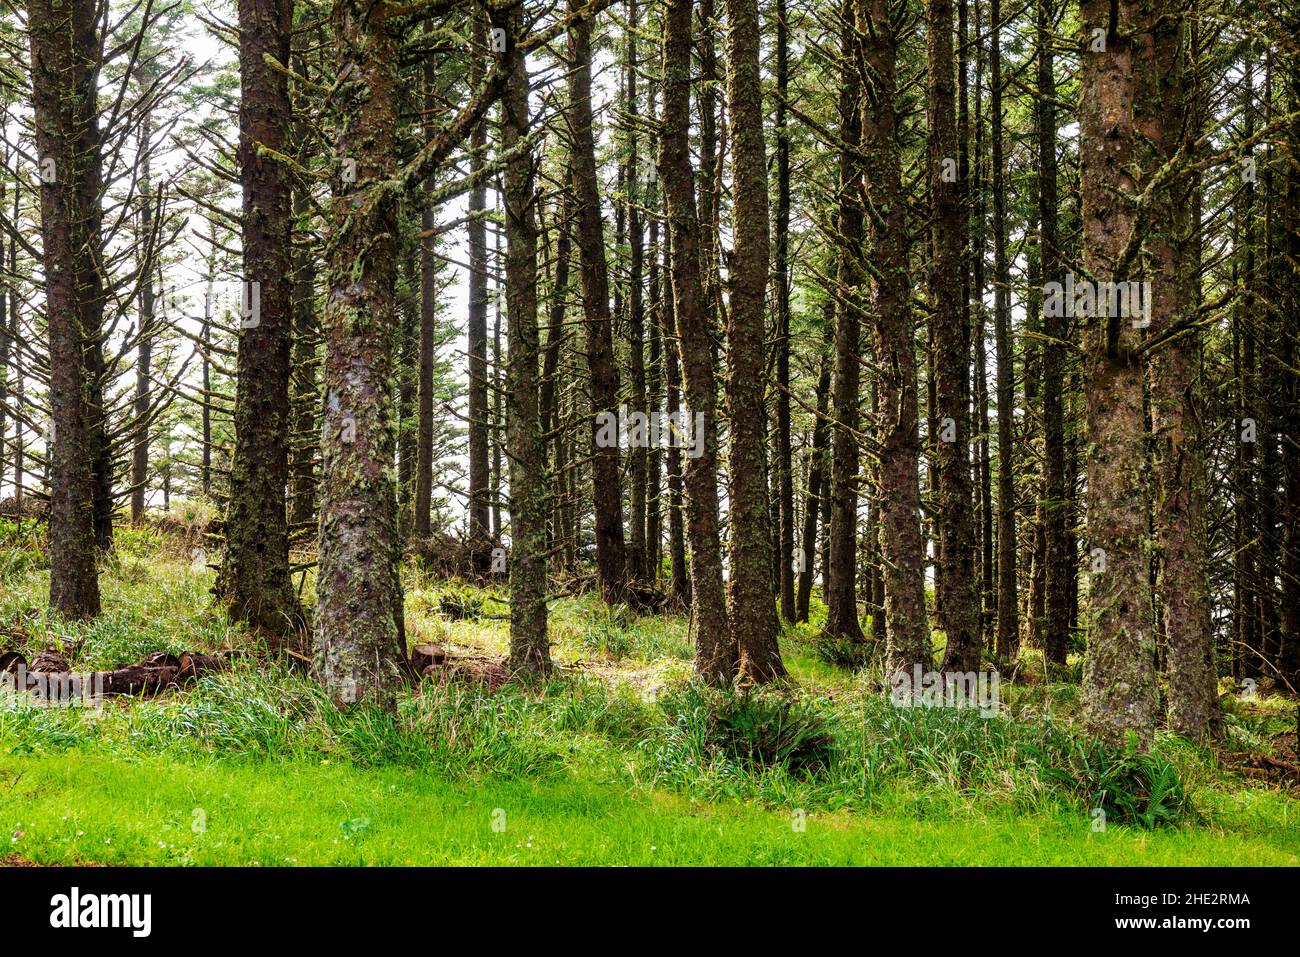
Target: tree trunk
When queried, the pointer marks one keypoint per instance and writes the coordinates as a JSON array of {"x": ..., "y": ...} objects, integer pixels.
[
  {"x": 529, "y": 646},
  {"x": 750, "y": 608},
  {"x": 1119, "y": 679},
  {"x": 716, "y": 654},
  {"x": 957, "y": 592},
  {"x": 817, "y": 462},
  {"x": 65, "y": 70},
  {"x": 478, "y": 530},
  {"x": 781, "y": 274},
  {"x": 610, "y": 557},
  {"x": 901, "y": 547},
  {"x": 1167, "y": 119},
  {"x": 254, "y": 580},
  {"x": 1008, "y": 634},
  {"x": 1059, "y": 567},
  {"x": 681, "y": 582},
  {"x": 638, "y": 456},
  {"x": 841, "y": 571},
  {"x": 144, "y": 347},
  {"x": 360, "y": 626}
]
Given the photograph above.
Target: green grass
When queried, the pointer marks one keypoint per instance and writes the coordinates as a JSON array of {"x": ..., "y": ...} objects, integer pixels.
[
  {"x": 160, "y": 810},
  {"x": 619, "y": 759}
]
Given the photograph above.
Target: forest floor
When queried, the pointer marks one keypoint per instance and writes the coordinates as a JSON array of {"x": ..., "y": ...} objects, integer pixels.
[{"x": 619, "y": 759}]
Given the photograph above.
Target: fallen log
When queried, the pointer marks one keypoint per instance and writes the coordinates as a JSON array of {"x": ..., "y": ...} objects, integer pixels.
[
  {"x": 139, "y": 679},
  {"x": 48, "y": 661},
  {"x": 422, "y": 656},
  {"x": 155, "y": 673},
  {"x": 488, "y": 673},
  {"x": 194, "y": 665}
]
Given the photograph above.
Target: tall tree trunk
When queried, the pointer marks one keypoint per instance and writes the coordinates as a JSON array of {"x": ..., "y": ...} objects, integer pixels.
[
  {"x": 478, "y": 531},
  {"x": 305, "y": 392},
  {"x": 1167, "y": 119},
  {"x": 65, "y": 71},
  {"x": 1008, "y": 635},
  {"x": 610, "y": 550},
  {"x": 1290, "y": 624},
  {"x": 1059, "y": 568},
  {"x": 902, "y": 551},
  {"x": 841, "y": 571},
  {"x": 1119, "y": 679},
  {"x": 498, "y": 385},
  {"x": 781, "y": 274},
  {"x": 750, "y": 608},
  {"x": 529, "y": 646},
  {"x": 144, "y": 347},
  {"x": 552, "y": 429},
  {"x": 957, "y": 593},
  {"x": 680, "y": 577},
  {"x": 360, "y": 627},
  {"x": 205, "y": 337},
  {"x": 423, "y": 499},
  {"x": 817, "y": 468},
  {"x": 654, "y": 375},
  {"x": 254, "y": 580},
  {"x": 716, "y": 654},
  {"x": 638, "y": 456}
]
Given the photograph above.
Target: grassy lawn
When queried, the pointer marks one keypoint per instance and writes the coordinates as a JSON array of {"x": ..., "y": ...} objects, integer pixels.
[
  {"x": 619, "y": 760},
  {"x": 152, "y": 810}
]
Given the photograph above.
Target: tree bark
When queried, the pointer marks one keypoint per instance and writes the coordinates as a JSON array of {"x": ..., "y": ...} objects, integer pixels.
[
  {"x": 1059, "y": 567},
  {"x": 1168, "y": 123},
  {"x": 254, "y": 579},
  {"x": 1119, "y": 679},
  {"x": 610, "y": 548},
  {"x": 781, "y": 275},
  {"x": 817, "y": 467},
  {"x": 360, "y": 625},
  {"x": 906, "y": 625},
  {"x": 529, "y": 647},
  {"x": 841, "y": 571},
  {"x": 717, "y": 656},
  {"x": 1008, "y": 634},
  {"x": 750, "y": 608},
  {"x": 479, "y": 530},
  {"x": 957, "y": 592},
  {"x": 65, "y": 70}
]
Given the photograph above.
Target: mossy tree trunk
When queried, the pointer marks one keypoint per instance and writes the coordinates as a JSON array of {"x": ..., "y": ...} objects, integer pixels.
[
  {"x": 841, "y": 570},
  {"x": 716, "y": 654},
  {"x": 479, "y": 530},
  {"x": 900, "y": 495},
  {"x": 1119, "y": 678},
  {"x": 65, "y": 70},
  {"x": 525, "y": 448},
  {"x": 254, "y": 579},
  {"x": 590, "y": 237},
  {"x": 1059, "y": 570},
  {"x": 751, "y": 609},
  {"x": 360, "y": 628},
  {"x": 958, "y": 594},
  {"x": 1167, "y": 120}
]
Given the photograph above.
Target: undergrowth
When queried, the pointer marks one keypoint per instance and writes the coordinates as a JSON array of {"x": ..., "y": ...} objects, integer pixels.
[{"x": 620, "y": 710}]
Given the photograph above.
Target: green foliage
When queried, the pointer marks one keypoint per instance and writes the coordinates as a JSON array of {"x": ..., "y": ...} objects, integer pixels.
[
  {"x": 842, "y": 653},
  {"x": 1144, "y": 789},
  {"x": 22, "y": 550},
  {"x": 756, "y": 729}
]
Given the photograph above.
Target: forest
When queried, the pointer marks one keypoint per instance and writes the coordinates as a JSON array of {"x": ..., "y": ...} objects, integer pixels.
[{"x": 649, "y": 432}]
